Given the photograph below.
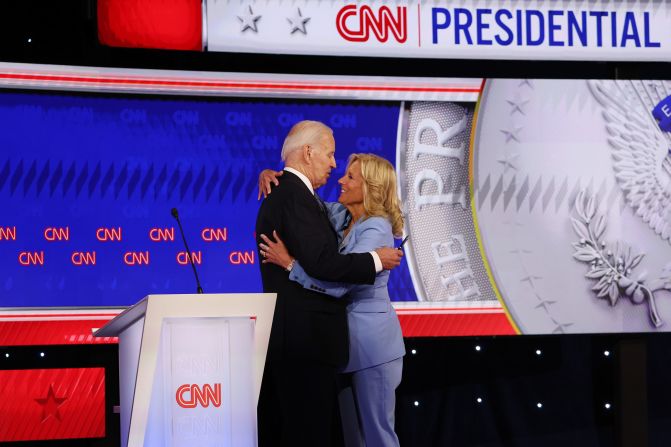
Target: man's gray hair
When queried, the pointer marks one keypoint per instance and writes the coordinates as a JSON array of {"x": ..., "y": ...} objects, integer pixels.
[{"x": 304, "y": 132}]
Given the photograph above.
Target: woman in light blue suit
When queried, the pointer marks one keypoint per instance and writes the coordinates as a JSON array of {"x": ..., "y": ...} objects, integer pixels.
[{"x": 367, "y": 217}]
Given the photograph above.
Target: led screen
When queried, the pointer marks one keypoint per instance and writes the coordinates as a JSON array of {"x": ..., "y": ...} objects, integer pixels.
[
  {"x": 87, "y": 184},
  {"x": 55, "y": 403},
  {"x": 541, "y": 208}
]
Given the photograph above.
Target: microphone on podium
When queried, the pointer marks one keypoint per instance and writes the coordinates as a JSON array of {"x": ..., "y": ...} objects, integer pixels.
[{"x": 175, "y": 214}]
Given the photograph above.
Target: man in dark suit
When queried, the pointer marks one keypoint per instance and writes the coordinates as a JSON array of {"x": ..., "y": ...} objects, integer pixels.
[{"x": 308, "y": 340}]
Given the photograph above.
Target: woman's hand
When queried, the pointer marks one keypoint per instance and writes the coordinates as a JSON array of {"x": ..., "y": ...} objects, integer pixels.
[
  {"x": 266, "y": 178},
  {"x": 275, "y": 252}
]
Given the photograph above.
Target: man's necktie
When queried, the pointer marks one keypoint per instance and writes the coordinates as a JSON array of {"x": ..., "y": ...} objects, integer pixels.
[{"x": 321, "y": 204}]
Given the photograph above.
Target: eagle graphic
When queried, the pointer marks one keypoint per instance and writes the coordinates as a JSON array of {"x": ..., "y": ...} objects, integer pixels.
[
  {"x": 640, "y": 148},
  {"x": 637, "y": 116}
]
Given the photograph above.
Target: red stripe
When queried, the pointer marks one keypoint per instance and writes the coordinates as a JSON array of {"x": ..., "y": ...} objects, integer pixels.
[
  {"x": 54, "y": 332},
  {"x": 31, "y": 332},
  {"x": 455, "y": 325},
  {"x": 231, "y": 85},
  {"x": 441, "y": 309}
]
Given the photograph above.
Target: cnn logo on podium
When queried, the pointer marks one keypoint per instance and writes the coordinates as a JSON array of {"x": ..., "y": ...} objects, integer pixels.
[{"x": 192, "y": 395}]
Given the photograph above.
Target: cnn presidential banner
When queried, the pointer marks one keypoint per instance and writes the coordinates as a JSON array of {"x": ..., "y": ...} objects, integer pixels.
[
  {"x": 532, "y": 206},
  {"x": 503, "y": 29}
]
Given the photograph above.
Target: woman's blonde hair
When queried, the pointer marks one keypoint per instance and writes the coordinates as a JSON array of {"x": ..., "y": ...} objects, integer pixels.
[{"x": 380, "y": 197}]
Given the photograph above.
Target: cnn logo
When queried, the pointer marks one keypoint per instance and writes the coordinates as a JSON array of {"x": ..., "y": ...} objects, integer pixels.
[
  {"x": 355, "y": 24},
  {"x": 192, "y": 395}
]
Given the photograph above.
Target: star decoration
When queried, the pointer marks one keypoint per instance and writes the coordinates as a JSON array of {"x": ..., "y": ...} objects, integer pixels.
[
  {"x": 512, "y": 134},
  {"x": 298, "y": 22},
  {"x": 561, "y": 327},
  {"x": 516, "y": 104},
  {"x": 526, "y": 82},
  {"x": 50, "y": 404},
  {"x": 248, "y": 21},
  {"x": 508, "y": 162},
  {"x": 544, "y": 304},
  {"x": 531, "y": 279}
]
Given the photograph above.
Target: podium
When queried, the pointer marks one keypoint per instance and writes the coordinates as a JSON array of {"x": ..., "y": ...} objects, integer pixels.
[{"x": 190, "y": 368}]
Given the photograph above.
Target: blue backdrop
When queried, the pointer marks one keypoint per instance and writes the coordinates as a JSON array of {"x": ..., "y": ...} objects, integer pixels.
[{"x": 77, "y": 168}]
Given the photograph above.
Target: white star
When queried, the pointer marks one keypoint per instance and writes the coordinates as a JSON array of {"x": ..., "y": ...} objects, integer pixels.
[
  {"x": 517, "y": 103},
  {"x": 508, "y": 162},
  {"x": 531, "y": 279},
  {"x": 561, "y": 327},
  {"x": 512, "y": 134},
  {"x": 544, "y": 304},
  {"x": 526, "y": 82},
  {"x": 298, "y": 22},
  {"x": 249, "y": 20}
]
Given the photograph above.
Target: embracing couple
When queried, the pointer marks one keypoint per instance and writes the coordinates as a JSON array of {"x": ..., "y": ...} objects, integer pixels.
[{"x": 336, "y": 350}]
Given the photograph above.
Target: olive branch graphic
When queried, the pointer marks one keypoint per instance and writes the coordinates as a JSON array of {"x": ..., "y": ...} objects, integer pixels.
[{"x": 613, "y": 266}]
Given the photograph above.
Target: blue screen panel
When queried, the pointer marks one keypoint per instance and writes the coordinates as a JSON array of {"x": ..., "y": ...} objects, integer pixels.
[{"x": 87, "y": 184}]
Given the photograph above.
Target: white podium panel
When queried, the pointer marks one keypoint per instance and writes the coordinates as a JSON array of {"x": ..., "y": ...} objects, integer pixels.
[
  {"x": 190, "y": 368},
  {"x": 203, "y": 387}
]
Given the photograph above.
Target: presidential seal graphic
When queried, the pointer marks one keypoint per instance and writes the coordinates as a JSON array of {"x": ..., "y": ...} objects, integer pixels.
[
  {"x": 444, "y": 259},
  {"x": 572, "y": 193}
]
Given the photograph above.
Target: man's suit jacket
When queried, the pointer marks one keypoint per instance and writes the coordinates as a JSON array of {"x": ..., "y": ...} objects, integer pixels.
[
  {"x": 307, "y": 324},
  {"x": 374, "y": 331}
]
